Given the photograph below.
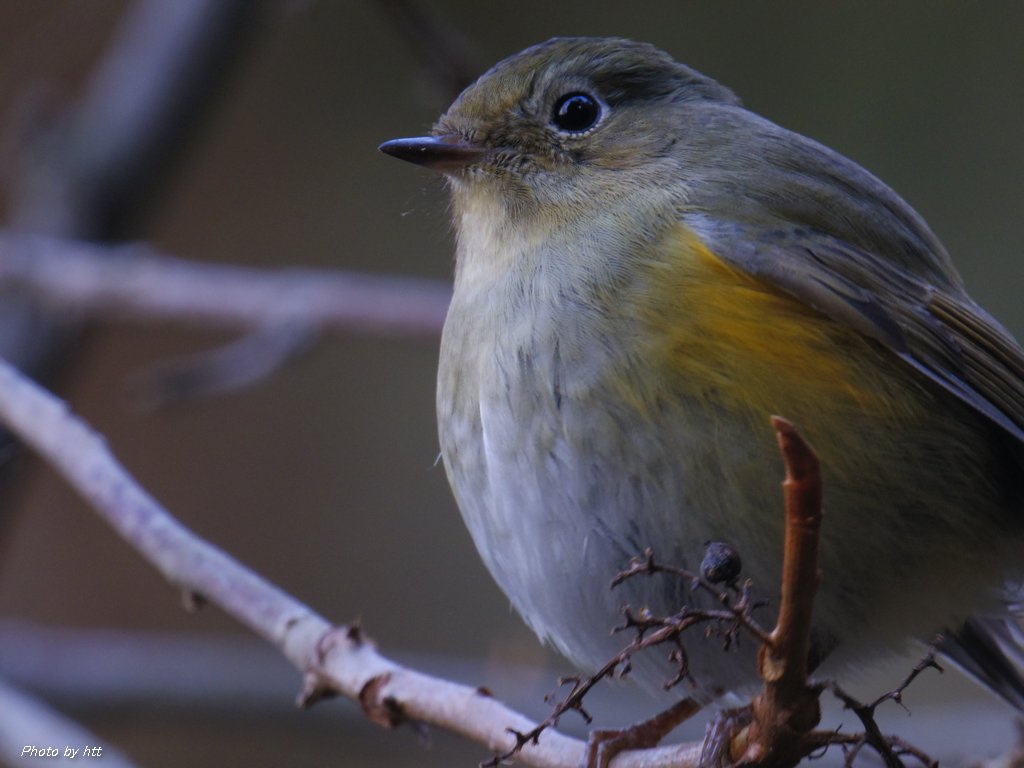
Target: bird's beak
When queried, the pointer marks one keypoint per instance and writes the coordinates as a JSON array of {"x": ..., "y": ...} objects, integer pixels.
[{"x": 438, "y": 153}]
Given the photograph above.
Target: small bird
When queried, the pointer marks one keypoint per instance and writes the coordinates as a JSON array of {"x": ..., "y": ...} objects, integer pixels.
[{"x": 645, "y": 272}]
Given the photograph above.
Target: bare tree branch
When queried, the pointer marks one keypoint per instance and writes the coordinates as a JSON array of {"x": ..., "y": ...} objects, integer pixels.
[
  {"x": 334, "y": 659},
  {"x": 137, "y": 281}
]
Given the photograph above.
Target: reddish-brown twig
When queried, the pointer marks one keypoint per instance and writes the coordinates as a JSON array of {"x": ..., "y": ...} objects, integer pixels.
[{"x": 787, "y": 708}]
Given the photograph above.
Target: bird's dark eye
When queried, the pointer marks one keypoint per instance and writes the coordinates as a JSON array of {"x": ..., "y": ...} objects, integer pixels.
[{"x": 576, "y": 113}]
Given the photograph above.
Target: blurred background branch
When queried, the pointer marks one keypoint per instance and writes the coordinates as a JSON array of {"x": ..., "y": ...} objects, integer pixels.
[
  {"x": 95, "y": 171},
  {"x": 283, "y": 310},
  {"x": 29, "y": 724},
  {"x": 137, "y": 282},
  {"x": 92, "y": 171}
]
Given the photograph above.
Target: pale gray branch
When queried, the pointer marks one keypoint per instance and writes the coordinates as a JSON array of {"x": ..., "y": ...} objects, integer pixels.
[
  {"x": 137, "y": 281},
  {"x": 332, "y": 658},
  {"x": 29, "y": 724}
]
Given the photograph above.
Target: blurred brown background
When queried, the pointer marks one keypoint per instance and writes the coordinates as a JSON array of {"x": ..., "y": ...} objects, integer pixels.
[{"x": 323, "y": 478}]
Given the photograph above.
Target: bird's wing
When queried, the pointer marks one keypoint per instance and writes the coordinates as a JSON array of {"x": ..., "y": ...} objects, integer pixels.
[{"x": 938, "y": 331}]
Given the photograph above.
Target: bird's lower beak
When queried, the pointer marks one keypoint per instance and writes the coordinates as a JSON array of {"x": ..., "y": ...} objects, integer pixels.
[{"x": 439, "y": 153}]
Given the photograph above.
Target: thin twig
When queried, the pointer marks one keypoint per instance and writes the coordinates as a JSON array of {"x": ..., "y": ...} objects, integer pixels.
[
  {"x": 786, "y": 711},
  {"x": 889, "y": 748},
  {"x": 653, "y": 631},
  {"x": 228, "y": 368},
  {"x": 741, "y": 610},
  {"x": 784, "y": 661}
]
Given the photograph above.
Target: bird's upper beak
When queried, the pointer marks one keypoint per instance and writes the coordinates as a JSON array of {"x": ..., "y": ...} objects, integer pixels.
[{"x": 446, "y": 153}]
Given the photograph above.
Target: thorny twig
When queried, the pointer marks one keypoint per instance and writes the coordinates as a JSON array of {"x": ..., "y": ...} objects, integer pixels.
[
  {"x": 651, "y": 631},
  {"x": 889, "y": 748},
  {"x": 738, "y": 613}
]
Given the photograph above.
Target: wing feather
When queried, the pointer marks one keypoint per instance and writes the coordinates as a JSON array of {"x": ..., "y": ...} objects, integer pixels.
[{"x": 940, "y": 332}]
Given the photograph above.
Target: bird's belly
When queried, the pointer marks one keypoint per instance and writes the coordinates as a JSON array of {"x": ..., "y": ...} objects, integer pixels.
[
  {"x": 569, "y": 455},
  {"x": 556, "y": 515},
  {"x": 561, "y": 482}
]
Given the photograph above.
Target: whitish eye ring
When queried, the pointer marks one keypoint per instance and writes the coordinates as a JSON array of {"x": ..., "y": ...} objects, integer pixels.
[{"x": 577, "y": 113}]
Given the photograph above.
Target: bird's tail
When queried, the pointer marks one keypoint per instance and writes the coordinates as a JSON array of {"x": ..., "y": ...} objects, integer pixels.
[{"x": 991, "y": 650}]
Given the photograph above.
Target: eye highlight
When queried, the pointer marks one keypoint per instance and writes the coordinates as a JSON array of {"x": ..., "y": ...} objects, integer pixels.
[{"x": 576, "y": 113}]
